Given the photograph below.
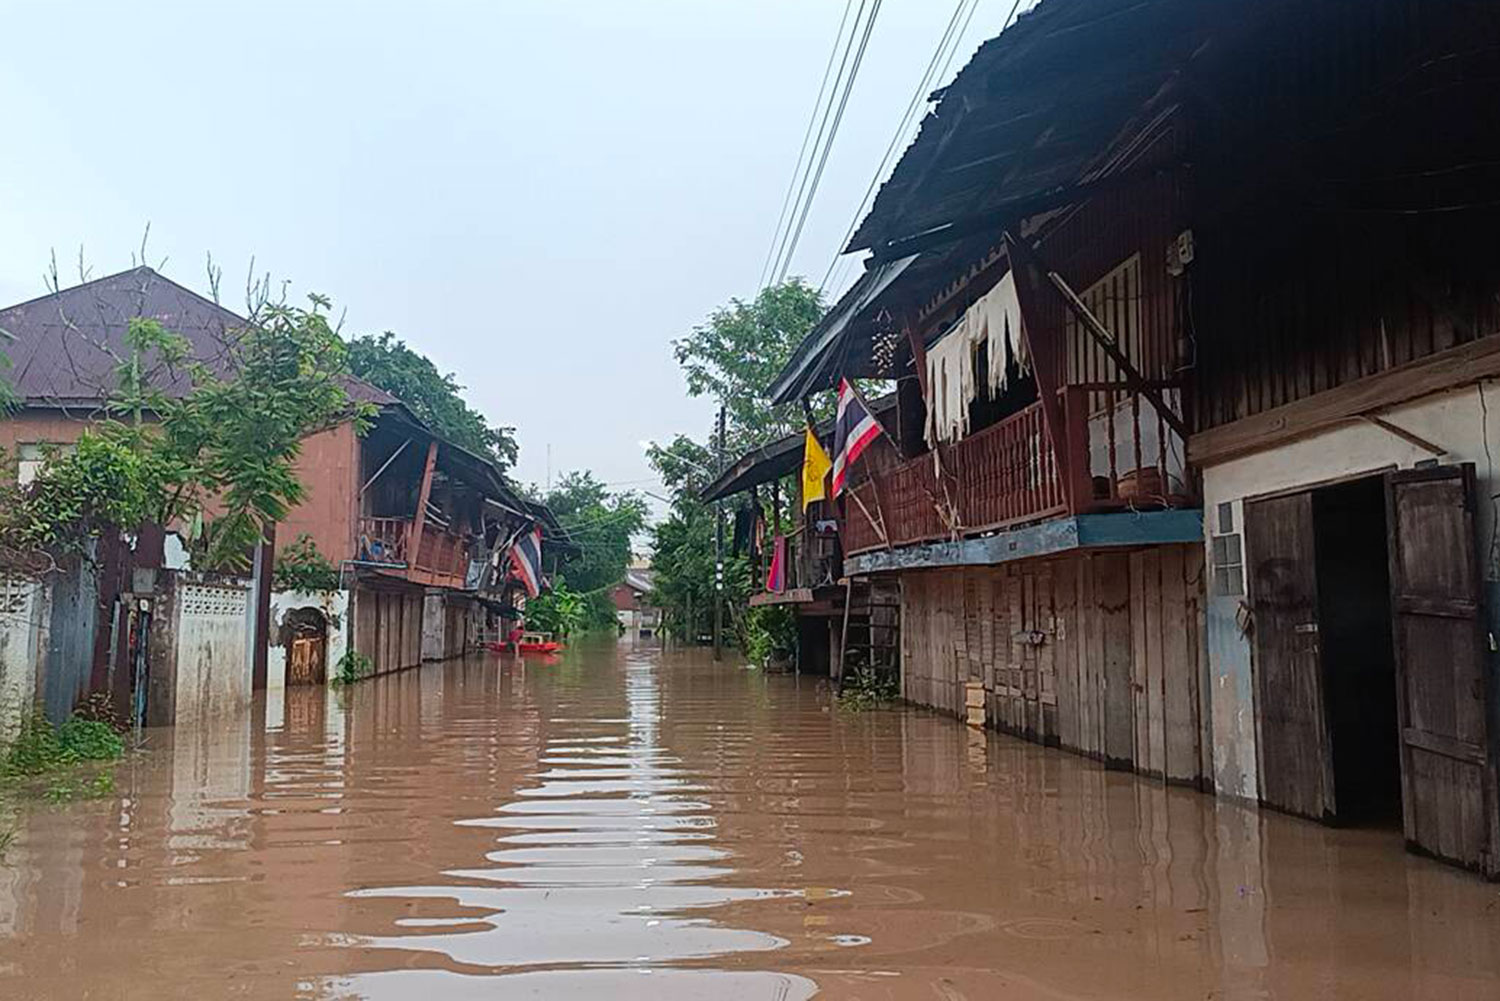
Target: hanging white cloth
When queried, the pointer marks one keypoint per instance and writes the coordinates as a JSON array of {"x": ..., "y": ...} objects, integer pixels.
[{"x": 995, "y": 321}]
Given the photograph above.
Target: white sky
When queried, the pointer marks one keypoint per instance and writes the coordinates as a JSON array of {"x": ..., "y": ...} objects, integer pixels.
[{"x": 540, "y": 196}]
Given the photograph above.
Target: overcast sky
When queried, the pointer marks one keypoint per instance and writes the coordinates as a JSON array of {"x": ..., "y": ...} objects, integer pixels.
[{"x": 540, "y": 196}]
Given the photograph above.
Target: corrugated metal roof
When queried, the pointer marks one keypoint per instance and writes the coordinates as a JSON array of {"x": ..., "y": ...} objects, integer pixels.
[
  {"x": 66, "y": 345},
  {"x": 1036, "y": 108}
]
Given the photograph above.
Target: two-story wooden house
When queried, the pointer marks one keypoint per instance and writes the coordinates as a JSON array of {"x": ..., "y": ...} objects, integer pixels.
[{"x": 1147, "y": 256}]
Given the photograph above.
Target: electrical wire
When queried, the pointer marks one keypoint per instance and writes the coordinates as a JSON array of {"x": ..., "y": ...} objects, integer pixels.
[
  {"x": 791, "y": 184},
  {"x": 923, "y": 88},
  {"x": 934, "y": 73},
  {"x": 838, "y": 118}
]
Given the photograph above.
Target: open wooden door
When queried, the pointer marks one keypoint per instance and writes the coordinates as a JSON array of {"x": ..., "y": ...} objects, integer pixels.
[
  {"x": 1443, "y": 684},
  {"x": 1296, "y": 766}
]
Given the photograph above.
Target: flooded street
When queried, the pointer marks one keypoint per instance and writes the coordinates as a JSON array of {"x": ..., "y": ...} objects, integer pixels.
[{"x": 623, "y": 823}]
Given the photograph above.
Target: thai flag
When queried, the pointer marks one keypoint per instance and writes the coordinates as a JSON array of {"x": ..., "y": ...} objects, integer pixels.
[
  {"x": 526, "y": 561},
  {"x": 853, "y": 430}
]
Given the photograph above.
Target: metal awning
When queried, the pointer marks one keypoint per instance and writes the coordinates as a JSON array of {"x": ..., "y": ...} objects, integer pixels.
[{"x": 816, "y": 356}]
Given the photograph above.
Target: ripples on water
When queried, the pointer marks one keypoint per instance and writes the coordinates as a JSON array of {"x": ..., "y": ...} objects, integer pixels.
[{"x": 619, "y": 824}]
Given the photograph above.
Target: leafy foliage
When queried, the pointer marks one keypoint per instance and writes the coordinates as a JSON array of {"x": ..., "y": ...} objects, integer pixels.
[
  {"x": 602, "y": 523},
  {"x": 737, "y": 353},
  {"x": 230, "y": 444},
  {"x": 301, "y": 567},
  {"x": 770, "y": 634},
  {"x": 560, "y": 611},
  {"x": 434, "y": 396},
  {"x": 39, "y": 748},
  {"x": 351, "y": 667},
  {"x": 866, "y": 688},
  {"x": 683, "y": 550}
]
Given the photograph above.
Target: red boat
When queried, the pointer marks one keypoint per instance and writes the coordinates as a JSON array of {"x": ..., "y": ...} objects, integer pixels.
[{"x": 534, "y": 643}]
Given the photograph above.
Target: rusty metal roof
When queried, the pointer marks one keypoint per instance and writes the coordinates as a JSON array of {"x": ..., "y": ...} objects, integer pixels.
[
  {"x": 64, "y": 346},
  {"x": 1036, "y": 108}
]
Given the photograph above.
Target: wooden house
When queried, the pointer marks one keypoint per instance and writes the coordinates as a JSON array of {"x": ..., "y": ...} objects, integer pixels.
[{"x": 1150, "y": 262}]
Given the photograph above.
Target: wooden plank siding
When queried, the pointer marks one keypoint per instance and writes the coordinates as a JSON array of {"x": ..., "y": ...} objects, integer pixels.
[
  {"x": 388, "y": 628},
  {"x": 1094, "y": 652}
]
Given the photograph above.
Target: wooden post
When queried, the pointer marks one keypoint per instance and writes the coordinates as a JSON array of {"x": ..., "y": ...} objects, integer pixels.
[
  {"x": 419, "y": 517},
  {"x": 1078, "y": 468},
  {"x": 1045, "y": 357}
]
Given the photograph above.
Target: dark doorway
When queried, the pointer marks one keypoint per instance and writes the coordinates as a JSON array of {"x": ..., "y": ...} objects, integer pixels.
[
  {"x": 305, "y": 635},
  {"x": 1358, "y": 660}
]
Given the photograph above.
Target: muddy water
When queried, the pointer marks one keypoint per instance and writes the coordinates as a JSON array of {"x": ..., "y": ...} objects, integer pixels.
[{"x": 626, "y": 825}]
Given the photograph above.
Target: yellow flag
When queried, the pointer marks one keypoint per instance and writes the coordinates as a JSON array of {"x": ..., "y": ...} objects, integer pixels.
[{"x": 815, "y": 467}]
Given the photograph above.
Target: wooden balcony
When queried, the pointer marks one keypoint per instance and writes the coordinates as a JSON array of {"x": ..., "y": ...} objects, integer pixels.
[
  {"x": 442, "y": 557},
  {"x": 1121, "y": 453}
]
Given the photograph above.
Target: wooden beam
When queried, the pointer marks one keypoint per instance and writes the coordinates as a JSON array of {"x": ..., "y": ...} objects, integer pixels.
[
  {"x": 1459, "y": 366},
  {"x": 1045, "y": 360},
  {"x": 419, "y": 517},
  {"x": 1106, "y": 340}
]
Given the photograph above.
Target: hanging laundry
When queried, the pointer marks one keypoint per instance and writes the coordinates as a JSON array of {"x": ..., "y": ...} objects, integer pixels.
[
  {"x": 952, "y": 384},
  {"x": 776, "y": 576}
]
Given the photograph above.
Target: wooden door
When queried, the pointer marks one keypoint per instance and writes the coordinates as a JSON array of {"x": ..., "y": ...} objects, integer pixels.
[
  {"x": 1296, "y": 767},
  {"x": 1443, "y": 683},
  {"x": 305, "y": 666}
]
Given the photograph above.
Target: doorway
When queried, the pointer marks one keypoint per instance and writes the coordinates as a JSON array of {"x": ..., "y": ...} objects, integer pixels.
[
  {"x": 1358, "y": 659},
  {"x": 1373, "y": 682},
  {"x": 1324, "y": 653},
  {"x": 305, "y": 632}
]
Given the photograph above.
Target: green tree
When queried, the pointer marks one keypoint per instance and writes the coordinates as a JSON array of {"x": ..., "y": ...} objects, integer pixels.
[
  {"x": 741, "y": 348},
  {"x": 436, "y": 397},
  {"x": 220, "y": 458},
  {"x": 602, "y": 524}
]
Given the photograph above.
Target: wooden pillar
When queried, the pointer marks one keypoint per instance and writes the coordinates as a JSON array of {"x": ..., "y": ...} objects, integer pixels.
[
  {"x": 1046, "y": 358},
  {"x": 419, "y": 516}
]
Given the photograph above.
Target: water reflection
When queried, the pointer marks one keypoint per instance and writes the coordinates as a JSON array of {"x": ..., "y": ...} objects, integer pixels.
[{"x": 622, "y": 823}]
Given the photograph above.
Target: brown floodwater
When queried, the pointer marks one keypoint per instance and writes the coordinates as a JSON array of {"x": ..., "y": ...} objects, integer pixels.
[{"x": 628, "y": 824}]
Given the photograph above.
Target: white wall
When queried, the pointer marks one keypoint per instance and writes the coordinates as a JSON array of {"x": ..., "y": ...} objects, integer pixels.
[
  {"x": 335, "y": 608},
  {"x": 1463, "y": 422},
  {"x": 23, "y": 637},
  {"x": 213, "y": 672}
]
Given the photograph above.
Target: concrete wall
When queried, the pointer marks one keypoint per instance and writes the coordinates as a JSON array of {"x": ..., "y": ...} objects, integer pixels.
[
  {"x": 335, "y": 608},
  {"x": 23, "y": 638},
  {"x": 1463, "y": 421},
  {"x": 199, "y": 668}
]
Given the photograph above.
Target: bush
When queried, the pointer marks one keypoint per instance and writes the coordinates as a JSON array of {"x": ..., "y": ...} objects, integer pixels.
[
  {"x": 90, "y": 740},
  {"x": 866, "y": 688},
  {"x": 301, "y": 567},
  {"x": 352, "y": 667},
  {"x": 770, "y": 634},
  {"x": 39, "y": 748}
]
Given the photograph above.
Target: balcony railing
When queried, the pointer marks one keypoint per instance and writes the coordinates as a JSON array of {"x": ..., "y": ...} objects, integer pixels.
[
  {"x": 1123, "y": 454},
  {"x": 442, "y": 557}
]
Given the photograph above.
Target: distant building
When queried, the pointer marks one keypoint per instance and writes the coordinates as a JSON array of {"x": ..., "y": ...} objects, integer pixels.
[{"x": 637, "y": 617}]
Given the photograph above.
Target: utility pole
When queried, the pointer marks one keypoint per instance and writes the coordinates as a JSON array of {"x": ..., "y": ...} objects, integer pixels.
[{"x": 719, "y": 546}]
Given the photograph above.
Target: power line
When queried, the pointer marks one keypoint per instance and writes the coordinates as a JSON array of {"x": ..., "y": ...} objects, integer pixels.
[
  {"x": 922, "y": 89},
  {"x": 952, "y": 41},
  {"x": 812, "y": 118},
  {"x": 838, "y": 118}
]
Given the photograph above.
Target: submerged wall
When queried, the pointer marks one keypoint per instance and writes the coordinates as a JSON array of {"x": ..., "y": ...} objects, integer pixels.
[
  {"x": 334, "y": 607},
  {"x": 1100, "y": 653}
]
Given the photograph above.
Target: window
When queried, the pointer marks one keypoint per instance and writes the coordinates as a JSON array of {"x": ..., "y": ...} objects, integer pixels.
[
  {"x": 31, "y": 456},
  {"x": 1228, "y": 555}
]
